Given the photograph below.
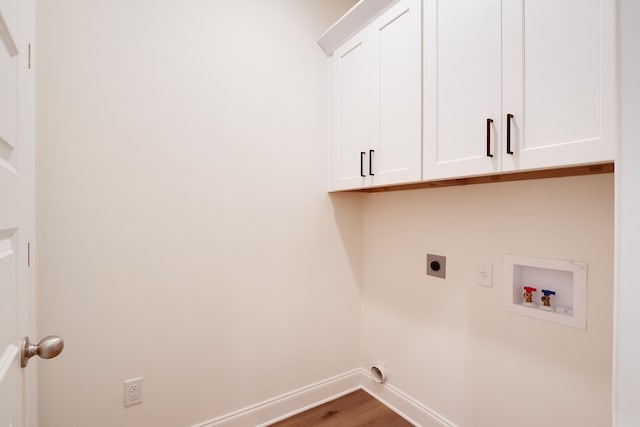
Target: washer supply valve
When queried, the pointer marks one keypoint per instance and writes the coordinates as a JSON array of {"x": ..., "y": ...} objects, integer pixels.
[
  {"x": 546, "y": 299},
  {"x": 528, "y": 295}
]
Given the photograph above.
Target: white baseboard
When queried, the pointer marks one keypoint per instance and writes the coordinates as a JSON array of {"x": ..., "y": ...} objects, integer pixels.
[
  {"x": 294, "y": 402},
  {"x": 403, "y": 404},
  {"x": 281, "y": 407}
]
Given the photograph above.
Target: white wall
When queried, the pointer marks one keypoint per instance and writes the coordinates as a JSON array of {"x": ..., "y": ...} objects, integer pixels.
[
  {"x": 449, "y": 343},
  {"x": 627, "y": 343},
  {"x": 184, "y": 230},
  {"x": 185, "y": 235}
]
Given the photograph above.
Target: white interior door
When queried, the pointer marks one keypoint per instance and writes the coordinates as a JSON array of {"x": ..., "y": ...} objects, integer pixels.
[{"x": 17, "y": 386}]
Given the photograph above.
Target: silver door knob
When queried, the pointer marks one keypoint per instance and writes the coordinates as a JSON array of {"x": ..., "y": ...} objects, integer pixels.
[{"x": 48, "y": 348}]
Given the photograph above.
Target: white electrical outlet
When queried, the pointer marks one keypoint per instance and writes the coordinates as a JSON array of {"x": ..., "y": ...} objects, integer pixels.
[
  {"x": 484, "y": 274},
  {"x": 133, "y": 391}
]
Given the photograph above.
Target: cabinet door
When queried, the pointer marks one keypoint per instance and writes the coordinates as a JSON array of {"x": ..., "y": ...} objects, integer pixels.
[
  {"x": 397, "y": 134},
  {"x": 351, "y": 113},
  {"x": 559, "y": 81},
  {"x": 462, "y": 76}
]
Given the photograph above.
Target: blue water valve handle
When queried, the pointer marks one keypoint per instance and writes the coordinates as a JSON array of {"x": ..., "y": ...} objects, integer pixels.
[{"x": 547, "y": 292}]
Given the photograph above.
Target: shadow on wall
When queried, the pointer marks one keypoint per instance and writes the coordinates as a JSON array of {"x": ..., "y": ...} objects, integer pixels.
[{"x": 348, "y": 216}]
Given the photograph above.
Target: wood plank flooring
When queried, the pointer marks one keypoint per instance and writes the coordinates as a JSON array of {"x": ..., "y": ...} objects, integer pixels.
[{"x": 352, "y": 410}]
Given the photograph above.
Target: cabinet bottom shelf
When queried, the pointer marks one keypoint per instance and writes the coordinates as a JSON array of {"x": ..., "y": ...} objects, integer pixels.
[{"x": 505, "y": 177}]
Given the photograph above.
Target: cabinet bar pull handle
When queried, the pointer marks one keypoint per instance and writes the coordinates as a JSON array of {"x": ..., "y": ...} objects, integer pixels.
[
  {"x": 489, "y": 121},
  {"x": 362, "y": 154},
  {"x": 371, "y": 162},
  {"x": 509, "y": 117}
]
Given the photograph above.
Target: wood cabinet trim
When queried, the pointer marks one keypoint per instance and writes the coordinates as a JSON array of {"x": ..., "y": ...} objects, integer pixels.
[{"x": 505, "y": 177}]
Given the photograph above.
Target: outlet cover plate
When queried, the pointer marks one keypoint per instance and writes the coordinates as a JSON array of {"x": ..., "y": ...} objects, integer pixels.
[
  {"x": 436, "y": 265},
  {"x": 133, "y": 391},
  {"x": 484, "y": 274}
]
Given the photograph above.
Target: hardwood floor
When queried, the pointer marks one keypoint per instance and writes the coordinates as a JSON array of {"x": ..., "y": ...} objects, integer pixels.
[{"x": 352, "y": 410}]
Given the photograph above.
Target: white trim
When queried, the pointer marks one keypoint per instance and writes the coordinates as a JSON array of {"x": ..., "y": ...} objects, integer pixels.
[
  {"x": 311, "y": 406},
  {"x": 285, "y": 405},
  {"x": 278, "y": 408},
  {"x": 626, "y": 347},
  {"x": 358, "y": 17},
  {"x": 7, "y": 40},
  {"x": 6, "y": 360},
  {"x": 403, "y": 404}
]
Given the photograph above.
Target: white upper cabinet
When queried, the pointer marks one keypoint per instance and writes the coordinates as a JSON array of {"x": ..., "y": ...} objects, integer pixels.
[
  {"x": 376, "y": 102},
  {"x": 440, "y": 89},
  {"x": 352, "y": 113},
  {"x": 517, "y": 84},
  {"x": 463, "y": 84},
  {"x": 559, "y": 81}
]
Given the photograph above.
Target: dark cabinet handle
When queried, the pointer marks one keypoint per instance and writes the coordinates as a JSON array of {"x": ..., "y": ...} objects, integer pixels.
[
  {"x": 489, "y": 121},
  {"x": 371, "y": 162},
  {"x": 509, "y": 117},
  {"x": 362, "y": 154}
]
